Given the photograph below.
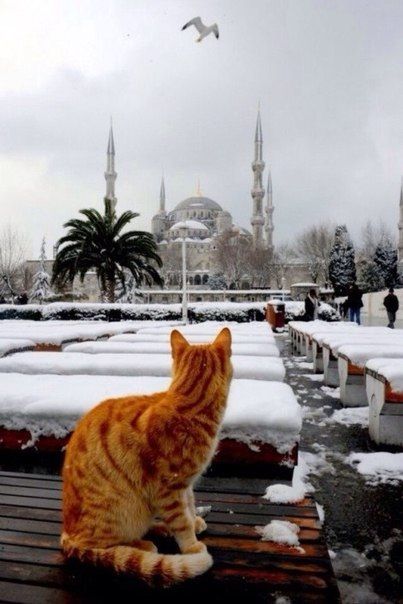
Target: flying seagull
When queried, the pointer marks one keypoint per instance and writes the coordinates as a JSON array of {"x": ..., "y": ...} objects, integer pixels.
[{"x": 203, "y": 30}]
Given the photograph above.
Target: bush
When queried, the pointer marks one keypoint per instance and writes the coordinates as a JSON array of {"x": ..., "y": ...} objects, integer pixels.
[
  {"x": 242, "y": 312},
  {"x": 295, "y": 311}
]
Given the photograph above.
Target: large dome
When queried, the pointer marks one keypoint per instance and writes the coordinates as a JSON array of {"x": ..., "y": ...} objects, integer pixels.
[{"x": 198, "y": 203}]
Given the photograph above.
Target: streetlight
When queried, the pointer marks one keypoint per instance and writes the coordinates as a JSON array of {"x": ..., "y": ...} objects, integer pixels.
[{"x": 183, "y": 233}]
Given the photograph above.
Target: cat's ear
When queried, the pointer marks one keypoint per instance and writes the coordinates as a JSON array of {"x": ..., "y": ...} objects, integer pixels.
[
  {"x": 178, "y": 342},
  {"x": 223, "y": 340}
]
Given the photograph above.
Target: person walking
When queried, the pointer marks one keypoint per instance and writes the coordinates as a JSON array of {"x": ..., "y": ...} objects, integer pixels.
[
  {"x": 391, "y": 303},
  {"x": 311, "y": 306},
  {"x": 354, "y": 301}
]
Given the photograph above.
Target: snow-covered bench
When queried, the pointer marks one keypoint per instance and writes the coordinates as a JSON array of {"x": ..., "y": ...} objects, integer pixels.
[
  {"x": 261, "y": 426},
  {"x": 316, "y": 340},
  {"x": 351, "y": 363},
  {"x": 11, "y": 345},
  {"x": 213, "y": 327},
  {"x": 78, "y": 363},
  {"x": 261, "y": 350},
  {"x": 193, "y": 338},
  {"x": 331, "y": 343},
  {"x": 384, "y": 386},
  {"x": 48, "y": 335},
  {"x": 301, "y": 334}
]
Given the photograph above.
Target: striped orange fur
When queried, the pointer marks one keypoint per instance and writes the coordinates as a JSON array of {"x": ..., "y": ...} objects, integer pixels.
[{"x": 131, "y": 464}]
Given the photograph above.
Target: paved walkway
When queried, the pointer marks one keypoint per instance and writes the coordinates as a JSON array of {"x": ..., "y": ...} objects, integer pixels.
[{"x": 363, "y": 523}]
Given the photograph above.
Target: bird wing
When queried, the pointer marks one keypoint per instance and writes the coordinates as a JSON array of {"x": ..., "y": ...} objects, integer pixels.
[
  {"x": 215, "y": 30},
  {"x": 197, "y": 22}
]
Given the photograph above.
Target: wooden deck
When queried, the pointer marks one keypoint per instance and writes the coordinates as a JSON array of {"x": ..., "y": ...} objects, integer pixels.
[{"x": 32, "y": 570}]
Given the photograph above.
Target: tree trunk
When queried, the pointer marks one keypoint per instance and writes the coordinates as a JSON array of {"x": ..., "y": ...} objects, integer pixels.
[{"x": 110, "y": 291}]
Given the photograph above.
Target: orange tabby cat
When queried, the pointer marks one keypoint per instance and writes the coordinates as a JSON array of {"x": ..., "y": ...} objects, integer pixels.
[{"x": 131, "y": 463}]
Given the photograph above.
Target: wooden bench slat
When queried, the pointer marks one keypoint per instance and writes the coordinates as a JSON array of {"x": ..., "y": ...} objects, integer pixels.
[
  {"x": 202, "y": 495},
  {"x": 44, "y": 504},
  {"x": 30, "y": 526},
  {"x": 11, "y": 511},
  {"x": 255, "y": 506},
  {"x": 35, "y": 594},
  {"x": 30, "y": 475},
  {"x": 29, "y": 482}
]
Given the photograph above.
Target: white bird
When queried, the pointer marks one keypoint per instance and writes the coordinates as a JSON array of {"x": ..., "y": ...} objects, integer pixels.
[{"x": 203, "y": 30}]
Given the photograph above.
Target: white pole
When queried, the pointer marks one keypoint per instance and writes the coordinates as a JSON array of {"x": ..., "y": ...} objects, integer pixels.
[{"x": 184, "y": 292}]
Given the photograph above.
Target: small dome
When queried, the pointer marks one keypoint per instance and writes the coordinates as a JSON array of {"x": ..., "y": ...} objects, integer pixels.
[
  {"x": 198, "y": 203},
  {"x": 193, "y": 225}
]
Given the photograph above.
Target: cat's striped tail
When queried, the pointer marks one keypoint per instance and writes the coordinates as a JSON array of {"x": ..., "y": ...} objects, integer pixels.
[{"x": 150, "y": 566}]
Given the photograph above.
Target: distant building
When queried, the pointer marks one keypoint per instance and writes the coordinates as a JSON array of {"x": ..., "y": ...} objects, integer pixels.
[{"x": 204, "y": 219}]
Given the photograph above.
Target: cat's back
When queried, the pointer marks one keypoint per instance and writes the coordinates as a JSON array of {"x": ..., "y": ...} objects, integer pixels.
[{"x": 112, "y": 417}]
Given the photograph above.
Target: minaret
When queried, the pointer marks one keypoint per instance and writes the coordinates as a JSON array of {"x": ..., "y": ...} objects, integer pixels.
[
  {"x": 257, "y": 220},
  {"x": 162, "y": 196},
  {"x": 110, "y": 174},
  {"x": 269, "y": 226},
  {"x": 400, "y": 225}
]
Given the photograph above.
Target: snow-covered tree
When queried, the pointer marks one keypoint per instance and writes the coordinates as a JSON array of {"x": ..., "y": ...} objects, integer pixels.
[
  {"x": 370, "y": 277},
  {"x": 385, "y": 259},
  {"x": 342, "y": 261},
  {"x": 216, "y": 281},
  {"x": 128, "y": 293},
  {"x": 41, "y": 281}
]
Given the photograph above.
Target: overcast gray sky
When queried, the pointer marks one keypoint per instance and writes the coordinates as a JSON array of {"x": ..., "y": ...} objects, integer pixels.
[{"x": 328, "y": 74}]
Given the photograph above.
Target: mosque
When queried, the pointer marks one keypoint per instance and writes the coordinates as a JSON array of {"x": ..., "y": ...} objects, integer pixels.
[{"x": 201, "y": 220}]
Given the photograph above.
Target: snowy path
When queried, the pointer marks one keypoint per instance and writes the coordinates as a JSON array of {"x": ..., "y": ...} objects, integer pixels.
[{"x": 363, "y": 521}]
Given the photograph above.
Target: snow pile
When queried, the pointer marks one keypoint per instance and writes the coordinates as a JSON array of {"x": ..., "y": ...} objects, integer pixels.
[
  {"x": 10, "y": 345},
  {"x": 308, "y": 463},
  {"x": 378, "y": 468},
  {"x": 78, "y": 363},
  {"x": 350, "y": 416},
  {"x": 261, "y": 350},
  {"x": 258, "y": 412},
  {"x": 280, "y": 531},
  {"x": 389, "y": 368}
]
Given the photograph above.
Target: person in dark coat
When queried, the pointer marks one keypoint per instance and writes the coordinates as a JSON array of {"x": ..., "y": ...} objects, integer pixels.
[
  {"x": 391, "y": 303},
  {"x": 354, "y": 301},
  {"x": 311, "y": 306}
]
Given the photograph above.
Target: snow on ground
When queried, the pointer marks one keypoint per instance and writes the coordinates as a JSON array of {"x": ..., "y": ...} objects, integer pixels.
[
  {"x": 305, "y": 365},
  {"x": 333, "y": 392},
  {"x": 350, "y": 416},
  {"x": 379, "y": 467},
  {"x": 79, "y": 363},
  {"x": 10, "y": 345},
  {"x": 391, "y": 369},
  {"x": 280, "y": 531},
  {"x": 257, "y": 412},
  {"x": 261, "y": 350},
  {"x": 314, "y": 377}
]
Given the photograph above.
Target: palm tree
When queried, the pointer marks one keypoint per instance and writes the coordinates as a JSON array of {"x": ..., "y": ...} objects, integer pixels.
[{"x": 97, "y": 243}]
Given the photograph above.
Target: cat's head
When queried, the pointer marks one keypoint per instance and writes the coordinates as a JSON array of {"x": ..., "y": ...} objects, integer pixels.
[{"x": 215, "y": 356}]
